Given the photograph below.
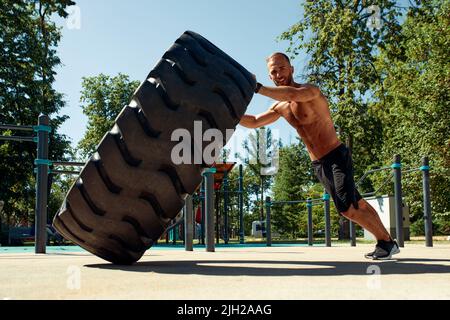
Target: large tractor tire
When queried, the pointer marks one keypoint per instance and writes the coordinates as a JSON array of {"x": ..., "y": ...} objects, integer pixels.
[{"x": 130, "y": 189}]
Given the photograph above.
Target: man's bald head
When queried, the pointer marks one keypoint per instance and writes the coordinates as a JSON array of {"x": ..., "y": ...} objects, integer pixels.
[{"x": 279, "y": 54}]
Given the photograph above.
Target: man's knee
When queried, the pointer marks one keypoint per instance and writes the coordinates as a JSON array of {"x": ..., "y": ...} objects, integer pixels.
[{"x": 352, "y": 213}]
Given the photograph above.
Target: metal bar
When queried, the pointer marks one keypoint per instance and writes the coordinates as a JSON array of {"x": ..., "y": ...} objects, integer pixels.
[
  {"x": 268, "y": 223},
  {"x": 367, "y": 195},
  {"x": 310, "y": 223},
  {"x": 188, "y": 224},
  {"x": 176, "y": 224},
  {"x": 288, "y": 202},
  {"x": 225, "y": 207},
  {"x": 209, "y": 211},
  {"x": 41, "y": 188},
  {"x": 352, "y": 234},
  {"x": 326, "y": 199},
  {"x": 203, "y": 200},
  {"x": 369, "y": 172},
  {"x": 397, "y": 167},
  {"x": 427, "y": 202},
  {"x": 216, "y": 203},
  {"x": 241, "y": 206},
  {"x": 313, "y": 201},
  {"x": 66, "y": 172},
  {"x": 17, "y": 138},
  {"x": 16, "y": 127},
  {"x": 371, "y": 194},
  {"x": 68, "y": 164}
]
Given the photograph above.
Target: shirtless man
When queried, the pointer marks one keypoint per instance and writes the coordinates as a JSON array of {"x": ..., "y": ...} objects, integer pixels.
[{"x": 306, "y": 109}]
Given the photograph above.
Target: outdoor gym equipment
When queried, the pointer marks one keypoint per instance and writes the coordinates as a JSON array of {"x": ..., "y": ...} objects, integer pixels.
[
  {"x": 396, "y": 174},
  {"x": 43, "y": 172}
]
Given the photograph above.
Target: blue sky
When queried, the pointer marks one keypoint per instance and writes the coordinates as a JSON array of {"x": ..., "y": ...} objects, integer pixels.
[{"x": 131, "y": 36}]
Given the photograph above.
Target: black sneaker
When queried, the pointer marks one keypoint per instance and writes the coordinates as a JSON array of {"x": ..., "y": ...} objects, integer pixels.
[
  {"x": 384, "y": 250},
  {"x": 370, "y": 254}
]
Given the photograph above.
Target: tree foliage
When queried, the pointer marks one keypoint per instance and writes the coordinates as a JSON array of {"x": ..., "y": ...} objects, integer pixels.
[
  {"x": 102, "y": 98},
  {"x": 414, "y": 104},
  {"x": 28, "y": 60}
]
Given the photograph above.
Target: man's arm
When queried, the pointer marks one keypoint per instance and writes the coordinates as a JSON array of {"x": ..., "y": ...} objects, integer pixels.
[
  {"x": 284, "y": 93},
  {"x": 260, "y": 120}
]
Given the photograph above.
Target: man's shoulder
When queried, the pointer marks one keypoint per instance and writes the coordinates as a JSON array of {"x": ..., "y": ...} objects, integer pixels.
[
  {"x": 279, "y": 106},
  {"x": 310, "y": 86}
]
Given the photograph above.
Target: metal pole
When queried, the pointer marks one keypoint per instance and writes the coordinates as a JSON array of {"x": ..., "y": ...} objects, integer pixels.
[
  {"x": 66, "y": 172},
  {"x": 241, "y": 207},
  {"x": 209, "y": 210},
  {"x": 68, "y": 164},
  {"x": 268, "y": 223},
  {"x": 174, "y": 235},
  {"x": 203, "y": 200},
  {"x": 217, "y": 204},
  {"x": 326, "y": 199},
  {"x": 397, "y": 166},
  {"x": 225, "y": 207},
  {"x": 427, "y": 202},
  {"x": 352, "y": 234},
  {"x": 189, "y": 224},
  {"x": 309, "y": 206},
  {"x": 42, "y": 164}
]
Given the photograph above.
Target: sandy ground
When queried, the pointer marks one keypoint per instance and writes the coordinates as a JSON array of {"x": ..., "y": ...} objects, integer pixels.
[{"x": 279, "y": 273}]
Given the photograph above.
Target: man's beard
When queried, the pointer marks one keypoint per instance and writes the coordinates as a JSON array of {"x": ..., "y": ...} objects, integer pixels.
[{"x": 286, "y": 82}]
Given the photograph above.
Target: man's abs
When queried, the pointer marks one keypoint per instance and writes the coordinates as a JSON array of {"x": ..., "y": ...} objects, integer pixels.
[
  {"x": 312, "y": 120},
  {"x": 319, "y": 137}
]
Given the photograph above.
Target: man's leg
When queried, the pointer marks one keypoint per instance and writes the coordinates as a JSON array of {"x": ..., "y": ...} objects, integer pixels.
[{"x": 367, "y": 217}]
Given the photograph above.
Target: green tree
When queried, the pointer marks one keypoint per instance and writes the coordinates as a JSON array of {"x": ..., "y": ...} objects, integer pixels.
[
  {"x": 28, "y": 60},
  {"x": 103, "y": 97},
  {"x": 414, "y": 106},
  {"x": 261, "y": 148},
  {"x": 292, "y": 182},
  {"x": 341, "y": 47}
]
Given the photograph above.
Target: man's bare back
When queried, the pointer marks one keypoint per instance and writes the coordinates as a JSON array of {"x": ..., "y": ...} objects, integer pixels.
[{"x": 312, "y": 120}]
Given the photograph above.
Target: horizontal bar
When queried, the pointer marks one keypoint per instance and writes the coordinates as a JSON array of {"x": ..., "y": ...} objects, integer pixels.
[
  {"x": 15, "y": 127},
  {"x": 65, "y": 172},
  {"x": 17, "y": 138},
  {"x": 379, "y": 169},
  {"x": 68, "y": 163},
  {"x": 371, "y": 194},
  {"x": 369, "y": 172},
  {"x": 295, "y": 201}
]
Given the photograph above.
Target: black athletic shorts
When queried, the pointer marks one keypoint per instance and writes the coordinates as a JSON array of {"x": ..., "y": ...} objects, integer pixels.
[{"x": 335, "y": 172}]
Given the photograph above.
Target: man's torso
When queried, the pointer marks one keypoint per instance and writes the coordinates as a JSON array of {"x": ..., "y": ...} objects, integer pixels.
[{"x": 312, "y": 120}]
